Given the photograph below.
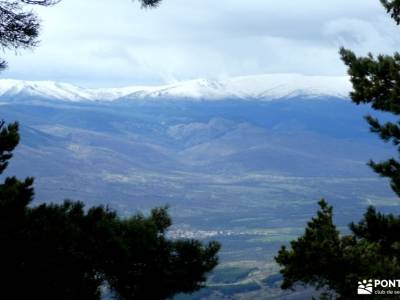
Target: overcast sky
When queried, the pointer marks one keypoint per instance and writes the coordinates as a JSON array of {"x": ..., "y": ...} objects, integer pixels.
[{"x": 115, "y": 43}]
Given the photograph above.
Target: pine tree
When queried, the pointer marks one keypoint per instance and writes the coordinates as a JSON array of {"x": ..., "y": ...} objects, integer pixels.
[
  {"x": 322, "y": 257},
  {"x": 66, "y": 252}
]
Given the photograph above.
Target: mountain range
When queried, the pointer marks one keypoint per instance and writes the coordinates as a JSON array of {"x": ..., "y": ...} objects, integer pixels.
[{"x": 258, "y": 87}]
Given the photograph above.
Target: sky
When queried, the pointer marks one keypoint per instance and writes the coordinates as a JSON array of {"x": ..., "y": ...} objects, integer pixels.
[{"x": 112, "y": 43}]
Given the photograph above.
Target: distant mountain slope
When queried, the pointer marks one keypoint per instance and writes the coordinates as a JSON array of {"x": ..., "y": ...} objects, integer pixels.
[
  {"x": 257, "y": 87},
  {"x": 247, "y": 173}
]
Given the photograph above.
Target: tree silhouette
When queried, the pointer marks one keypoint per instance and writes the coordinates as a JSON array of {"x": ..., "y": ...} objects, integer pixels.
[
  {"x": 322, "y": 257},
  {"x": 66, "y": 252}
]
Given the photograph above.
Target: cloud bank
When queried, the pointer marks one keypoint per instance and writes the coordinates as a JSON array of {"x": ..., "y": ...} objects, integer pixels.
[{"x": 115, "y": 43}]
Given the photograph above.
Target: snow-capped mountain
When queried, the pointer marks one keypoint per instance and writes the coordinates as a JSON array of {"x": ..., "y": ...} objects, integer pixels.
[{"x": 257, "y": 87}]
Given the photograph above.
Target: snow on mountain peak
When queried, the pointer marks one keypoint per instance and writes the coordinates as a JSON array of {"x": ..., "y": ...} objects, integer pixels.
[{"x": 257, "y": 87}]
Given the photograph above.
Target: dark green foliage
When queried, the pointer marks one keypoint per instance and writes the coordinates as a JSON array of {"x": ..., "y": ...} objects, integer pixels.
[
  {"x": 9, "y": 139},
  {"x": 19, "y": 27},
  {"x": 66, "y": 252},
  {"x": 63, "y": 252},
  {"x": 323, "y": 258},
  {"x": 150, "y": 3},
  {"x": 392, "y": 7},
  {"x": 320, "y": 243},
  {"x": 377, "y": 81}
]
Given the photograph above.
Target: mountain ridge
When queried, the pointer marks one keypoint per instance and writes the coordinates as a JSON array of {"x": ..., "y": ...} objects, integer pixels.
[{"x": 265, "y": 87}]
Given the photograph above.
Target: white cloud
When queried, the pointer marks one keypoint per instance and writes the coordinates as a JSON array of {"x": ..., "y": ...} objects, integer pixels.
[{"x": 113, "y": 43}]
